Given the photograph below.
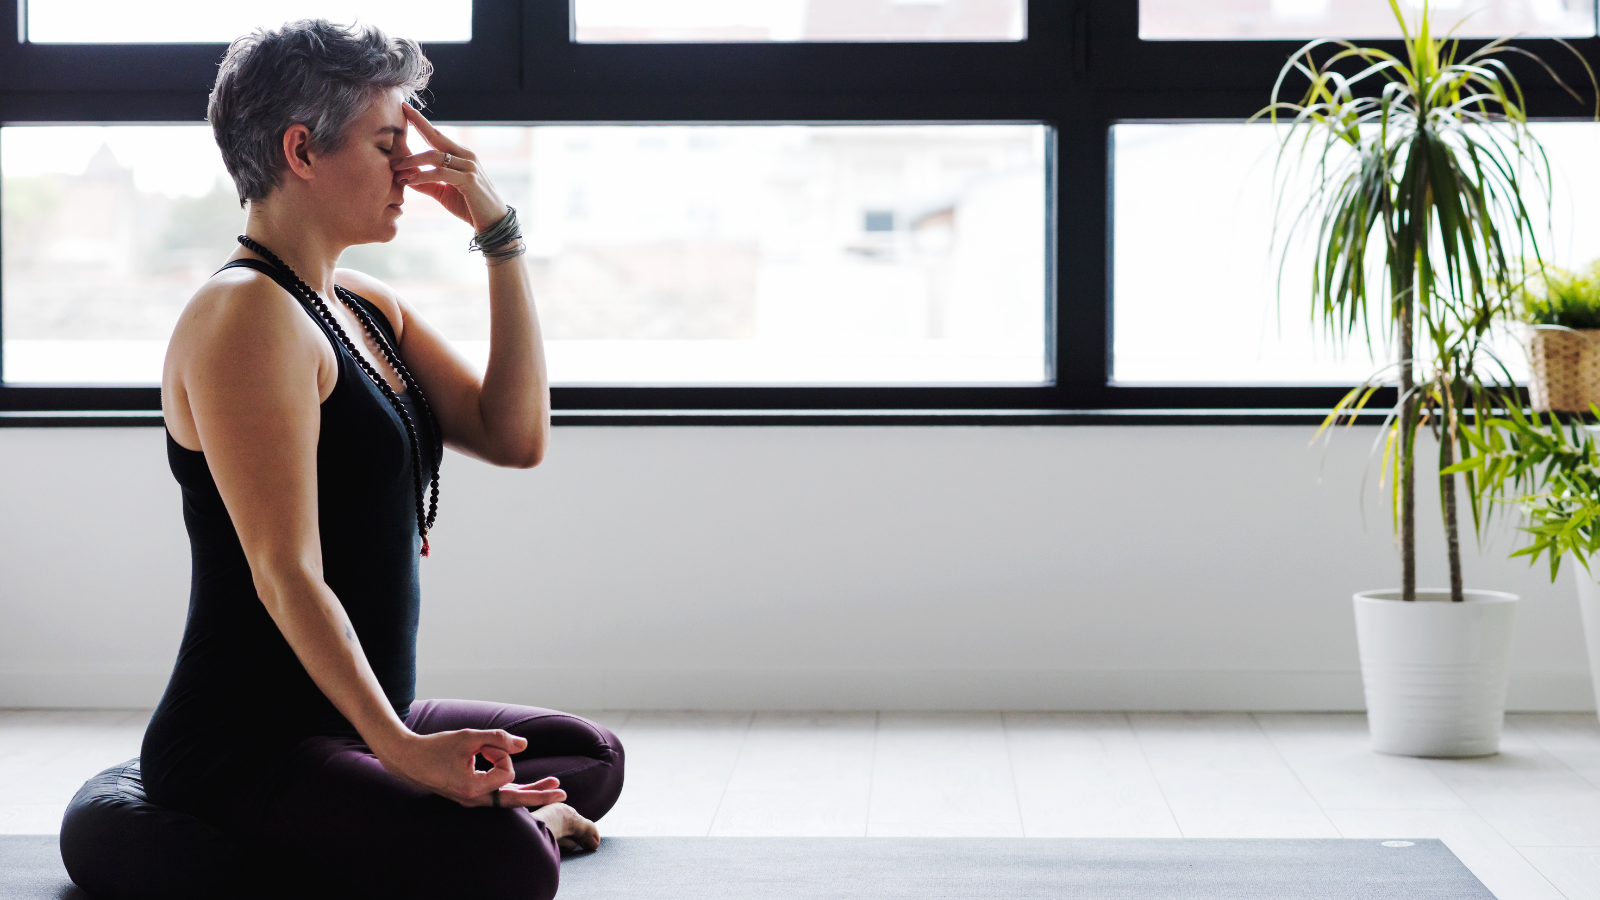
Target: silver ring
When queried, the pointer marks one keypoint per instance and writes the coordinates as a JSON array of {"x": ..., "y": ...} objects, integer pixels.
[{"x": 446, "y": 164}]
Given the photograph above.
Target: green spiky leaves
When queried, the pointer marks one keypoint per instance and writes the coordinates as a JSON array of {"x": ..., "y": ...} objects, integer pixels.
[{"x": 1424, "y": 180}]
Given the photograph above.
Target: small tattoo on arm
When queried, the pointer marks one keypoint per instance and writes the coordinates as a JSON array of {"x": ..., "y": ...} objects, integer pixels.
[{"x": 349, "y": 633}]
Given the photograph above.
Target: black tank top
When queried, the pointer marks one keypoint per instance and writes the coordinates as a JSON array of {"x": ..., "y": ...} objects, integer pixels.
[{"x": 239, "y": 699}]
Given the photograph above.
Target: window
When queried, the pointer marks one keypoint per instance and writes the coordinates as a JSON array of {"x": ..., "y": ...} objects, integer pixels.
[
  {"x": 208, "y": 21},
  {"x": 653, "y": 21},
  {"x": 1196, "y": 296},
  {"x": 1197, "y": 288},
  {"x": 749, "y": 254},
  {"x": 106, "y": 233},
  {"x": 1306, "y": 19},
  {"x": 776, "y": 210}
]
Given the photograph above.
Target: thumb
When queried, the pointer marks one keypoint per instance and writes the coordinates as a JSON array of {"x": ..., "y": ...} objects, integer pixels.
[{"x": 501, "y": 739}]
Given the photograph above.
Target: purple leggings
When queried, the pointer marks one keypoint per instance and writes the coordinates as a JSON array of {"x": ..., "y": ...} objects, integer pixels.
[{"x": 339, "y": 825}]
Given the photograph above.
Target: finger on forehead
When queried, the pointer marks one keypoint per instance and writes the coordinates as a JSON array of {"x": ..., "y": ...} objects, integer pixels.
[
  {"x": 423, "y": 126},
  {"x": 433, "y": 136}
]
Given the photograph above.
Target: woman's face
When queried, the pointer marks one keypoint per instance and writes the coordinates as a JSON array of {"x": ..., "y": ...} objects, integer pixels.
[{"x": 354, "y": 185}]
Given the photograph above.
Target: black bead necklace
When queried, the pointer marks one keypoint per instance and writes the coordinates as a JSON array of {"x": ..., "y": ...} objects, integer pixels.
[{"x": 313, "y": 300}]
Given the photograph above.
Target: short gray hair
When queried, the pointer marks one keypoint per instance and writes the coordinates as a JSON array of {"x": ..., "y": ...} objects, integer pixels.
[{"x": 312, "y": 73}]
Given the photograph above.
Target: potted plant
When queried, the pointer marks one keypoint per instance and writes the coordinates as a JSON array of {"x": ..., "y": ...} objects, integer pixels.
[
  {"x": 1418, "y": 168},
  {"x": 1551, "y": 469},
  {"x": 1561, "y": 310}
]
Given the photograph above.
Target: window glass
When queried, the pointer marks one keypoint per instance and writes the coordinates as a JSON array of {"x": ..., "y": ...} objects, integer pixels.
[
  {"x": 1196, "y": 283},
  {"x": 746, "y": 254},
  {"x": 209, "y": 21},
  {"x": 1233, "y": 20},
  {"x": 653, "y": 21}
]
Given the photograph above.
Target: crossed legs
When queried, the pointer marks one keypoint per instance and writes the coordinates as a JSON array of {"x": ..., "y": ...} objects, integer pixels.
[{"x": 348, "y": 828}]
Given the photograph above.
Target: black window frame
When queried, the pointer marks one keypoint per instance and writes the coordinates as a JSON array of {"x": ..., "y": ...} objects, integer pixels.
[{"x": 1081, "y": 69}]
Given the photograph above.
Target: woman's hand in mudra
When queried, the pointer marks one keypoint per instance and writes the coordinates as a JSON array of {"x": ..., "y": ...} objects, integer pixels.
[
  {"x": 455, "y": 180},
  {"x": 445, "y": 763}
]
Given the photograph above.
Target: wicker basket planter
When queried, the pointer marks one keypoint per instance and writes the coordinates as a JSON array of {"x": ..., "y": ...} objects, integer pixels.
[{"x": 1564, "y": 368}]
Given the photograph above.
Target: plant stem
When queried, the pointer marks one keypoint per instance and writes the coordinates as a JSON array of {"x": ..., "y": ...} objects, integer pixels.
[
  {"x": 1452, "y": 530},
  {"x": 1408, "y": 434}
]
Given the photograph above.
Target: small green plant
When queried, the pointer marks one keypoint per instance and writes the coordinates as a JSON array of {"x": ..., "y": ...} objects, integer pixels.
[
  {"x": 1560, "y": 297},
  {"x": 1548, "y": 468}
]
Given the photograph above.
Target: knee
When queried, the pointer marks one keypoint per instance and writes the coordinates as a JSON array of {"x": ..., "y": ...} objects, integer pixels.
[
  {"x": 587, "y": 756},
  {"x": 500, "y": 855},
  {"x": 532, "y": 874},
  {"x": 611, "y": 751},
  {"x": 614, "y": 761}
]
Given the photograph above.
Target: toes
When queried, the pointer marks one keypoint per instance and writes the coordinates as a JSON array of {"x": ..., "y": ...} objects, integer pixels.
[{"x": 589, "y": 835}]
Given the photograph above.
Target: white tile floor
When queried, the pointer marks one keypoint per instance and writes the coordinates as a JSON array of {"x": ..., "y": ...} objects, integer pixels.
[{"x": 1527, "y": 821}]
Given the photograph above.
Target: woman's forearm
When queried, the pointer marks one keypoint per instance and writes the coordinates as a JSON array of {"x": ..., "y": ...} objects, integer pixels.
[
  {"x": 515, "y": 401},
  {"x": 505, "y": 417},
  {"x": 317, "y": 628}
]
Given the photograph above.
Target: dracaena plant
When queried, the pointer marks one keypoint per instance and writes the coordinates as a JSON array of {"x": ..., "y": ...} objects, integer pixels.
[{"x": 1424, "y": 180}]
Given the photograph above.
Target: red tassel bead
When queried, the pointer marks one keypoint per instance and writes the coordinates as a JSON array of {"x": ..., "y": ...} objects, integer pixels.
[{"x": 424, "y": 545}]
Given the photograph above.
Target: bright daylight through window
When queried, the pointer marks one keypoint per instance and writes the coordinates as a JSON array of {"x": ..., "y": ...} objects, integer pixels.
[
  {"x": 658, "y": 21},
  {"x": 1196, "y": 287},
  {"x": 211, "y": 21},
  {"x": 1234, "y": 20},
  {"x": 748, "y": 254}
]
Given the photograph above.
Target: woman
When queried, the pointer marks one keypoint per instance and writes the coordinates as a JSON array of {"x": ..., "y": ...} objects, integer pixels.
[{"x": 303, "y": 444}]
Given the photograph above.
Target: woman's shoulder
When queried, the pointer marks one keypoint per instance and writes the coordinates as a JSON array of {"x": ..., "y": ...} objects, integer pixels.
[
  {"x": 242, "y": 318},
  {"x": 237, "y": 302},
  {"x": 377, "y": 293},
  {"x": 241, "y": 332}
]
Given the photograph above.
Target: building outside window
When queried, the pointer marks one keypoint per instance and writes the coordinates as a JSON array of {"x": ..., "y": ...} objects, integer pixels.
[{"x": 744, "y": 254}]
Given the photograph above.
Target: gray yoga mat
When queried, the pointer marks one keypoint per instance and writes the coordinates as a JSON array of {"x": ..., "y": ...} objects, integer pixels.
[
  {"x": 30, "y": 869},
  {"x": 1016, "y": 869},
  {"x": 698, "y": 868}
]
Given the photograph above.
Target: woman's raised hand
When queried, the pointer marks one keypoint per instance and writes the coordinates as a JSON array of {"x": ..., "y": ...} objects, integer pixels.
[
  {"x": 455, "y": 180},
  {"x": 444, "y": 763}
]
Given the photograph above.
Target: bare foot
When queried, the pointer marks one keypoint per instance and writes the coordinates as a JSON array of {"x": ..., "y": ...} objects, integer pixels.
[{"x": 571, "y": 831}]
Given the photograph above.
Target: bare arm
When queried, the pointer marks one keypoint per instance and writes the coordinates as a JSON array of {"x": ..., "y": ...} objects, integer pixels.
[
  {"x": 252, "y": 369},
  {"x": 502, "y": 417}
]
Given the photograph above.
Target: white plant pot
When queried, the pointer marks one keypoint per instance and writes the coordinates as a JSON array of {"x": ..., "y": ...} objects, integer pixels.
[
  {"x": 1435, "y": 671},
  {"x": 1589, "y": 606}
]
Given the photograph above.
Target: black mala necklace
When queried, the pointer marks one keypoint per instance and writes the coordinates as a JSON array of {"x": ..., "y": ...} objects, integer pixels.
[{"x": 314, "y": 301}]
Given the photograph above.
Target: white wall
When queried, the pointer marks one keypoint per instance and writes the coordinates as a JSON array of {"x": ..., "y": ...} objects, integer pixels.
[{"x": 894, "y": 567}]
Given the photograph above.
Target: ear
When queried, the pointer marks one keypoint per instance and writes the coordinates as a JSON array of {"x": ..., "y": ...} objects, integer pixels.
[{"x": 297, "y": 151}]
